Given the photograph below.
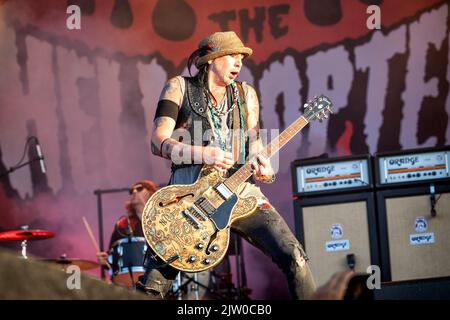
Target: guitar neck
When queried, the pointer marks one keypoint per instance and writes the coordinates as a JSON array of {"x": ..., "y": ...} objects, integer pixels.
[{"x": 272, "y": 148}]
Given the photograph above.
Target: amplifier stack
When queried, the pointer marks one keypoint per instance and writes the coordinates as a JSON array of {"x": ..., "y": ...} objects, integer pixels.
[
  {"x": 390, "y": 210},
  {"x": 335, "y": 214},
  {"x": 413, "y": 203}
]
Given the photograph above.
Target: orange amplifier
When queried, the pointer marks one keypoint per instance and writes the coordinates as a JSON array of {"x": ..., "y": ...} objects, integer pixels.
[
  {"x": 415, "y": 166},
  {"x": 333, "y": 175}
]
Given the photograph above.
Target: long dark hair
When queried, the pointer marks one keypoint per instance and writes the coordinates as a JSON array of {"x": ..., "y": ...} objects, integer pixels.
[
  {"x": 202, "y": 75},
  {"x": 197, "y": 54}
]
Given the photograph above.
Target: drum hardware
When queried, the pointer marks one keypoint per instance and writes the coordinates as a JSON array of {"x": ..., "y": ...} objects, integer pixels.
[
  {"x": 192, "y": 286},
  {"x": 24, "y": 235},
  {"x": 81, "y": 263},
  {"x": 195, "y": 285},
  {"x": 205, "y": 285}
]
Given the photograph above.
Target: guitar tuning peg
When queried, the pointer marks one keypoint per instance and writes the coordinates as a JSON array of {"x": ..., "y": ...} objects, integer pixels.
[{"x": 305, "y": 106}]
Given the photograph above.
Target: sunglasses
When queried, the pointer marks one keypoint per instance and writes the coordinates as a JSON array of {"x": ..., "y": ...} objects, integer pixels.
[{"x": 138, "y": 189}]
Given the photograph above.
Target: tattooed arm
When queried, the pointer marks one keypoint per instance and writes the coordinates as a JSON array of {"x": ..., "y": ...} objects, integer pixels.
[
  {"x": 165, "y": 146},
  {"x": 263, "y": 168},
  {"x": 161, "y": 142}
]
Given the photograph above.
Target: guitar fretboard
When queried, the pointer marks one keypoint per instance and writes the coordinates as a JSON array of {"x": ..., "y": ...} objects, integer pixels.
[{"x": 272, "y": 148}]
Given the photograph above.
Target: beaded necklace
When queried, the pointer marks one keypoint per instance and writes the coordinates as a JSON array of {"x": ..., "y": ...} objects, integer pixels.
[
  {"x": 213, "y": 112},
  {"x": 219, "y": 111}
]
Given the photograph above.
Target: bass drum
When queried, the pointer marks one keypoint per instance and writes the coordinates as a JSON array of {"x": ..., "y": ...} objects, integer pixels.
[
  {"x": 191, "y": 286},
  {"x": 126, "y": 257}
]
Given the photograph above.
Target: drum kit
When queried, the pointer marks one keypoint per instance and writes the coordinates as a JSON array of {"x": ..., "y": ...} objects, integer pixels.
[
  {"x": 125, "y": 259},
  {"x": 24, "y": 235}
]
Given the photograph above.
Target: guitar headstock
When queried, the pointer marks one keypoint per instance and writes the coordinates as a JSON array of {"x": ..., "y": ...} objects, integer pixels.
[{"x": 318, "y": 108}]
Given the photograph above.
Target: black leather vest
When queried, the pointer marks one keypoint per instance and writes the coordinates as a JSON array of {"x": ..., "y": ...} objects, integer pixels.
[{"x": 192, "y": 120}]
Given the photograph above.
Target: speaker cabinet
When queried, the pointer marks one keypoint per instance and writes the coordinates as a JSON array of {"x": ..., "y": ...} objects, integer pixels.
[
  {"x": 422, "y": 289},
  {"x": 414, "y": 241},
  {"x": 338, "y": 232}
]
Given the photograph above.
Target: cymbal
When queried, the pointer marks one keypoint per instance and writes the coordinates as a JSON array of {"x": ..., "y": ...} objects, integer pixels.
[
  {"x": 81, "y": 263},
  {"x": 20, "y": 235}
]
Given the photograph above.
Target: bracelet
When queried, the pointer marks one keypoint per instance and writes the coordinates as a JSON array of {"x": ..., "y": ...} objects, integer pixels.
[{"x": 270, "y": 180}]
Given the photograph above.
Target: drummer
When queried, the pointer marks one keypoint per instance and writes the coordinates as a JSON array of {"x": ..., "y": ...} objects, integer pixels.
[{"x": 129, "y": 225}]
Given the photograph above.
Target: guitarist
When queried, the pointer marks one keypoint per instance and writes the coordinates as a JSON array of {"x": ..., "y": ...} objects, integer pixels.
[{"x": 195, "y": 123}]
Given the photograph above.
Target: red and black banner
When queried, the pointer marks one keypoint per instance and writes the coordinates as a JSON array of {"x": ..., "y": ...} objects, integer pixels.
[{"x": 89, "y": 95}]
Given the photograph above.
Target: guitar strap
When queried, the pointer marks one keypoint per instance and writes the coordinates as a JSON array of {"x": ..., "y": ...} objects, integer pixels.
[
  {"x": 236, "y": 126},
  {"x": 236, "y": 135}
]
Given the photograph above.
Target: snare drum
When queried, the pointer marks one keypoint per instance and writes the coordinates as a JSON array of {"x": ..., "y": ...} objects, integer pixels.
[{"x": 126, "y": 257}]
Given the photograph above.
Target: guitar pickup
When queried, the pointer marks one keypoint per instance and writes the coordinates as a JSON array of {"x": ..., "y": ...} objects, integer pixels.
[
  {"x": 199, "y": 212},
  {"x": 193, "y": 219},
  {"x": 223, "y": 191}
]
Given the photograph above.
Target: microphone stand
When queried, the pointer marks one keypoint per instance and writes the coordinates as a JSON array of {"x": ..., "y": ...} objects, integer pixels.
[
  {"x": 99, "y": 193},
  {"x": 12, "y": 169},
  {"x": 20, "y": 165}
]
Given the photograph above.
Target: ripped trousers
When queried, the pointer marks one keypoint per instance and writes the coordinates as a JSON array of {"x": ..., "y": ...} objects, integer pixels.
[{"x": 264, "y": 229}]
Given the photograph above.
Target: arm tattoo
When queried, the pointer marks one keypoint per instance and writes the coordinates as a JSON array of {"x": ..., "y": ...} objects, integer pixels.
[
  {"x": 165, "y": 148},
  {"x": 164, "y": 125},
  {"x": 155, "y": 149},
  {"x": 253, "y": 119},
  {"x": 159, "y": 122},
  {"x": 253, "y": 108},
  {"x": 171, "y": 91}
]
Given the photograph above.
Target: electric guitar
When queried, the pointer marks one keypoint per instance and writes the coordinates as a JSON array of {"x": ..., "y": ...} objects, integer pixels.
[{"x": 188, "y": 226}]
